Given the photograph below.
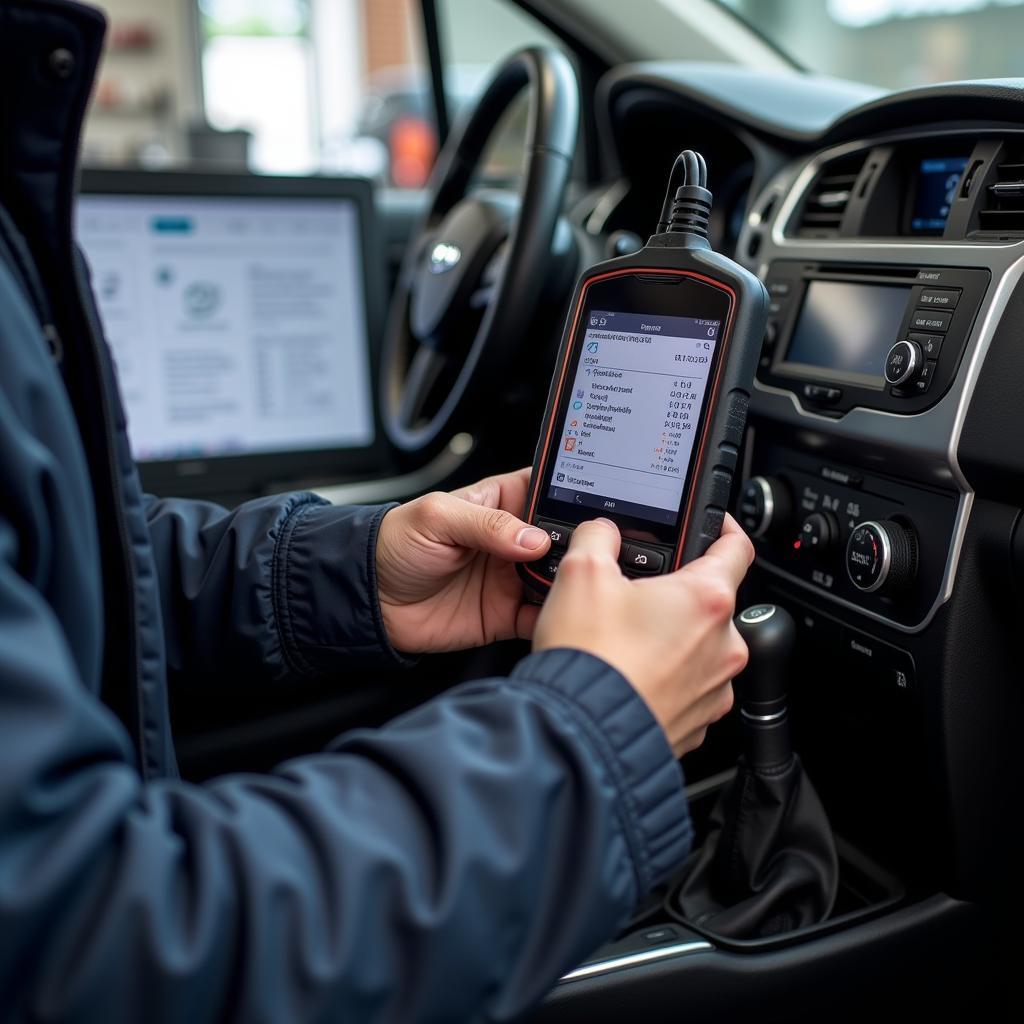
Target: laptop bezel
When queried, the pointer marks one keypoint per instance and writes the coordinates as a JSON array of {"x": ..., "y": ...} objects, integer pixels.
[{"x": 270, "y": 471}]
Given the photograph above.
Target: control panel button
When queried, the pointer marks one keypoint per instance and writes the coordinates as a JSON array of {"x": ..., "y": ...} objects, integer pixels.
[
  {"x": 765, "y": 505},
  {"x": 640, "y": 560},
  {"x": 940, "y": 298},
  {"x": 818, "y": 533},
  {"x": 930, "y": 344},
  {"x": 903, "y": 362},
  {"x": 771, "y": 335},
  {"x": 881, "y": 556},
  {"x": 559, "y": 533},
  {"x": 779, "y": 289},
  {"x": 921, "y": 382},
  {"x": 924, "y": 378},
  {"x": 821, "y": 394},
  {"x": 930, "y": 320}
]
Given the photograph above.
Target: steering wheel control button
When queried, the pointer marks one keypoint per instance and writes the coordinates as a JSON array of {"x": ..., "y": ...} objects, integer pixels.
[
  {"x": 930, "y": 320},
  {"x": 929, "y": 344},
  {"x": 818, "y": 533},
  {"x": 765, "y": 505},
  {"x": 902, "y": 363},
  {"x": 881, "y": 556},
  {"x": 641, "y": 561},
  {"x": 560, "y": 535},
  {"x": 939, "y": 298}
]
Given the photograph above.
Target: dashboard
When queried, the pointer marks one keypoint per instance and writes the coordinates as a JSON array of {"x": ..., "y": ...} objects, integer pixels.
[{"x": 884, "y": 461}]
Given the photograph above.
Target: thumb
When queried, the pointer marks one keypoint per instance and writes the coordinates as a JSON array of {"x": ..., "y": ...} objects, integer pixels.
[{"x": 494, "y": 531}]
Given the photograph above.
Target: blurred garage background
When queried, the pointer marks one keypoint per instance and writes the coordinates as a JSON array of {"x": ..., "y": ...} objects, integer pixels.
[{"x": 341, "y": 86}]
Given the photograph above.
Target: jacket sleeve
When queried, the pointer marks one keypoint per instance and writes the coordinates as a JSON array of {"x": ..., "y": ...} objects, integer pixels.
[
  {"x": 449, "y": 867},
  {"x": 279, "y": 587}
]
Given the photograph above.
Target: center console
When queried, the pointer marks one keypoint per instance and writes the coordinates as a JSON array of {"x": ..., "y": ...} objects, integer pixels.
[
  {"x": 875, "y": 544},
  {"x": 888, "y": 338}
]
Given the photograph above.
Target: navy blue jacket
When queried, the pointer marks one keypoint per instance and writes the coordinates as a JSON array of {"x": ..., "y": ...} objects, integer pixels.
[{"x": 446, "y": 868}]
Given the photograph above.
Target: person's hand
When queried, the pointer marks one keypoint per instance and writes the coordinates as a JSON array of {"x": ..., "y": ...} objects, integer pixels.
[
  {"x": 445, "y": 573},
  {"x": 671, "y": 636}
]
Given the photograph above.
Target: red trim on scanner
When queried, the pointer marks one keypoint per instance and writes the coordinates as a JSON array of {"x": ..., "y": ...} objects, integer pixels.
[{"x": 726, "y": 339}]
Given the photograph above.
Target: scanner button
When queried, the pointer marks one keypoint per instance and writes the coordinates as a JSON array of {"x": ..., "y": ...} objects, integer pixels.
[
  {"x": 548, "y": 567},
  {"x": 640, "y": 560},
  {"x": 560, "y": 535}
]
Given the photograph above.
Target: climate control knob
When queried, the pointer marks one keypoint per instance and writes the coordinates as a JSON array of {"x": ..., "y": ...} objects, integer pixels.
[
  {"x": 881, "y": 556},
  {"x": 819, "y": 532},
  {"x": 765, "y": 505},
  {"x": 903, "y": 363}
]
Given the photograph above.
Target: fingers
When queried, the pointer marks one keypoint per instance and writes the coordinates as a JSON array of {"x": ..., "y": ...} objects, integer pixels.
[
  {"x": 730, "y": 556},
  {"x": 506, "y": 491},
  {"x": 457, "y": 520},
  {"x": 597, "y": 540},
  {"x": 526, "y": 620},
  {"x": 730, "y": 525}
]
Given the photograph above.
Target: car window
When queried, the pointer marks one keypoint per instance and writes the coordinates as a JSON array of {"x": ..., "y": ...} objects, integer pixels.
[
  {"x": 476, "y": 36},
  {"x": 895, "y": 43},
  {"x": 322, "y": 85},
  {"x": 297, "y": 86}
]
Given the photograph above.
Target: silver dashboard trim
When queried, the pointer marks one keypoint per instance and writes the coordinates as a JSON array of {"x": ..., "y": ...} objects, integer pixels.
[
  {"x": 407, "y": 485},
  {"x": 645, "y": 956},
  {"x": 930, "y": 439}
]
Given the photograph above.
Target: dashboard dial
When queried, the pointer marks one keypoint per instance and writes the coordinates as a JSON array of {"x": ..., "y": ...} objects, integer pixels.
[
  {"x": 819, "y": 532},
  {"x": 881, "y": 556},
  {"x": 903, "y": 363},
  {"x": 765, "y": 505}
]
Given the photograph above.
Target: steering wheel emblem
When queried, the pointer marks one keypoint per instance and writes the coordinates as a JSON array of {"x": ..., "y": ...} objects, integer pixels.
[{"x": 443, "y": 257}]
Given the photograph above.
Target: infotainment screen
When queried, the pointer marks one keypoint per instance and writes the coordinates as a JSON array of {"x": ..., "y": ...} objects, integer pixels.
[
  {"x": 937, "y": 179},
  {"x": 633, "y": 412},
  {"x": 845, "y": 331}
]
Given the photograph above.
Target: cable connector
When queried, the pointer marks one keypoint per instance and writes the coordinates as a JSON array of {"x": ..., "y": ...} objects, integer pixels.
[{"x": 687, "y": 206}]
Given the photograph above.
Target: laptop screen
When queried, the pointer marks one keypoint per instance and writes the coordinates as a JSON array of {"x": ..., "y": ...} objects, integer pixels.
[{"x": 237, "y": 323}]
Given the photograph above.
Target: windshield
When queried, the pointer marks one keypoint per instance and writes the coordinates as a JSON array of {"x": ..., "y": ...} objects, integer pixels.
[{"x": 894, "y": 43}]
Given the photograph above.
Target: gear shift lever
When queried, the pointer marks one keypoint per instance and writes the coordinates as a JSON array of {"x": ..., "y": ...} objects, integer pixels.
[
  {"x": 768, "y": 864},
  {"x": 770, "y": 635}
]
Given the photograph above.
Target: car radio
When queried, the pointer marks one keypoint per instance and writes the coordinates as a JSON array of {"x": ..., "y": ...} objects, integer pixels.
[{"x": 891, "y": 338}]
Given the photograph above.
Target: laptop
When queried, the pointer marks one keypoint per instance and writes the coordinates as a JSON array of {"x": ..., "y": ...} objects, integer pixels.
[{"x": 242, "y": 313}]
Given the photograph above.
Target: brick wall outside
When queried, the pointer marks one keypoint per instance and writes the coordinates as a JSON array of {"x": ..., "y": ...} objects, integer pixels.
[{"x": 387, "y": 25}]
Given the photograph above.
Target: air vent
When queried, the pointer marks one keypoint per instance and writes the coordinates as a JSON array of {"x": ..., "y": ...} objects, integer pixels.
[
  {"x": 1002, "y": 205},
  {"x": 827, "y": 198}
]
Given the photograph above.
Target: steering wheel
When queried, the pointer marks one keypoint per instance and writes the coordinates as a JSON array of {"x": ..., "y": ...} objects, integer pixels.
[{"x": 470, "y": 279}]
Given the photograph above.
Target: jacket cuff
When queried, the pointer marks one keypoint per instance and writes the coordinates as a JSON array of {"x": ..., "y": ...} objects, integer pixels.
[
  {"x": 325, "y": 589},
  {"x": 628, "y": 740}
]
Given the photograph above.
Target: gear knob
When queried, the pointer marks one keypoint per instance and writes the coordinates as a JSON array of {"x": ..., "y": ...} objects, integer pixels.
[{"x": 770, "y": 635}]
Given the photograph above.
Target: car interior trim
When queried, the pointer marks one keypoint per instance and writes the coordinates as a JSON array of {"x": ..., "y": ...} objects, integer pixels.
[
  {"x": 408, "y": 485},
  {"x": 635, "y": 959},
  {"x": 928, "y": 439}
]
